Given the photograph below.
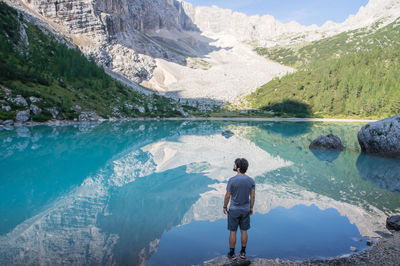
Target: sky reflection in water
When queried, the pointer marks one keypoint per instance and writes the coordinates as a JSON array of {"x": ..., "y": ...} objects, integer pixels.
[{"x": 151, "y": 192}]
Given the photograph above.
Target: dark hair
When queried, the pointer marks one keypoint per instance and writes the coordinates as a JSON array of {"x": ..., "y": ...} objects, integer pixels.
[{"x": 243, "y": 164}]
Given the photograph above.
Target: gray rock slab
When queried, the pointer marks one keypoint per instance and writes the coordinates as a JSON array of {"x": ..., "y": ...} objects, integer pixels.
[{"x": 22, "y": 116}]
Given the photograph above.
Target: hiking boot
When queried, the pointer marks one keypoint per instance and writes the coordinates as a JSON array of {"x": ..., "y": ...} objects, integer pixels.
[
  {"x": 232, "y": 257},
  {"x": 243, "y": 255}
]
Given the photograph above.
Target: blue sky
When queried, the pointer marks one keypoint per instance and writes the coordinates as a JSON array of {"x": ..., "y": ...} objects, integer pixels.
[{"x": 306, "y": 12}]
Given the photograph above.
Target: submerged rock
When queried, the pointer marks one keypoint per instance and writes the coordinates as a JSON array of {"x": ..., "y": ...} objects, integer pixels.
[
  {"x": 382, "y": 172},
  {"x": 227, "y": 133},
  {"x": 22, "y": 116},
  {"x": 23, "y": 132},
  {"x": 393, "y": 223},
  {"x": 381, "y": 138},
  {"x": 354, "y": 249},
  {"x": 328, "y": 142}
]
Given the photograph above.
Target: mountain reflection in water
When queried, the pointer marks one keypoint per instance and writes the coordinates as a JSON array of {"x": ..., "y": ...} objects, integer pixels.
[{"x": 133, "y": 193}]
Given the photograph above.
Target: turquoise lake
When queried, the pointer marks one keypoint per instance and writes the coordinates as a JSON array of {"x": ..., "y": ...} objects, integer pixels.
[{"x": 151, "y": 192}]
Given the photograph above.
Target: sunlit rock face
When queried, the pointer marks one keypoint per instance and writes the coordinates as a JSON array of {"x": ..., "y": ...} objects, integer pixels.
[{"x": 114, "y": 31}]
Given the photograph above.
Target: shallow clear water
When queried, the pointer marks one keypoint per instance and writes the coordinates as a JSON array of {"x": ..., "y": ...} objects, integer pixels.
[{"x": 151, "y": 192}]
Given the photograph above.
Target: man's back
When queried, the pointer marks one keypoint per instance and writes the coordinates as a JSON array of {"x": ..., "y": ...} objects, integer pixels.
[{"x": 240, "y": 187}]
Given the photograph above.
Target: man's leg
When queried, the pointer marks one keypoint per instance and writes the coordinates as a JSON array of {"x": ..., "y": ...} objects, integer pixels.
[
  {"x": 232, "y": 239},
  {"x": 233, "y": 223},
  {"x": 243, "y": 237},
  {"x": 244, "y": 226}
]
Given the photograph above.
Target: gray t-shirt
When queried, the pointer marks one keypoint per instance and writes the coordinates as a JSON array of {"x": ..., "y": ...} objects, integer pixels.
[{"x": 240, "y": 187}]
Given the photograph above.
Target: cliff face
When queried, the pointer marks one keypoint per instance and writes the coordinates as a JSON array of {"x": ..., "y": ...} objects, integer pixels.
[{"x": 122, "y": 35}]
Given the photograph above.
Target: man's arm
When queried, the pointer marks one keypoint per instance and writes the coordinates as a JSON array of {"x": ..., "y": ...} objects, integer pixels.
[
  {"x": 226, "y": 201},
  {"x": 252, "y": 199}
]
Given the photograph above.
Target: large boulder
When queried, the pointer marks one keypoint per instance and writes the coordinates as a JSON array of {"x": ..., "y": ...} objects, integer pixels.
[
  {"x": 393, "y": 223},
  {"x": 328, "y": 142},
  {"x": 381, "y": 138},
  {"x": 22, "y": 116}
]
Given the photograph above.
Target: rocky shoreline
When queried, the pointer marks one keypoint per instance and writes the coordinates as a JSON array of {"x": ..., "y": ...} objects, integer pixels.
[
  {"x": 386, "y": 251},
  {"x": 273, "y": 119}
]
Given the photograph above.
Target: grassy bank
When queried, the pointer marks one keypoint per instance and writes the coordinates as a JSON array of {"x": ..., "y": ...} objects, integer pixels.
[{"x": 351, "y": 75}]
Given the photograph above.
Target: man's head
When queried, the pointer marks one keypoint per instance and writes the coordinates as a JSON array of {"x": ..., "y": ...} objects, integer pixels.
[{"x": 241, "y": 165}]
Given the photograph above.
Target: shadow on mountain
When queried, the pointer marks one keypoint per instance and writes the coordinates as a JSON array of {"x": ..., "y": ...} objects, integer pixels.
[
  {"x": 382, "y": 172},
  {"x": 326, "y": 155},
  {"x": 162, "y": 30},
  {"x": 142, "y": 211}
]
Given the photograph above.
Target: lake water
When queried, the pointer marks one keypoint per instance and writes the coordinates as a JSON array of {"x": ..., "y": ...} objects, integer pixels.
[{"x": 151, "y": 192}]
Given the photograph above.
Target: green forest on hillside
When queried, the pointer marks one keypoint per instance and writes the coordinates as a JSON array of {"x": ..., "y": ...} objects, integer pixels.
[
  {"x": 353, "y": 74},
  {"x": 34, "y": 63}
]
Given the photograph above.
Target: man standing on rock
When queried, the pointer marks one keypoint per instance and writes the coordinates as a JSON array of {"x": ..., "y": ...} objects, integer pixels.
[{"x": 241, "y": 193}]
